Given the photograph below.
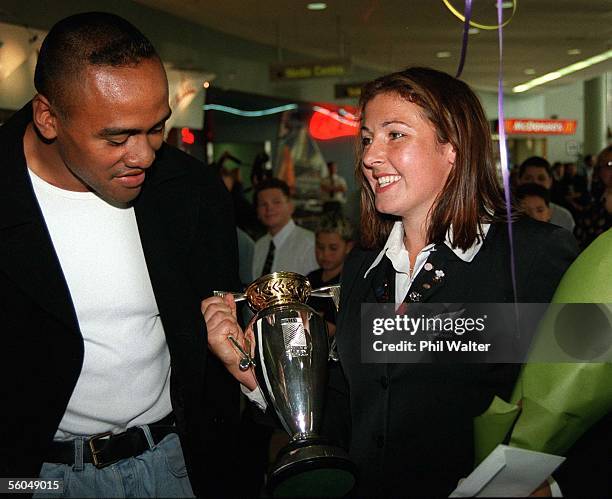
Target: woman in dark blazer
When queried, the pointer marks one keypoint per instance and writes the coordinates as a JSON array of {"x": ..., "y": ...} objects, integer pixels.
[{"x": 433, "y": 226}]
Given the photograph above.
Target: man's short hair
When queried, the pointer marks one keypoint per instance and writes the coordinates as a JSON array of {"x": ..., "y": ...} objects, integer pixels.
[
  {"x": 271, "y": 183},
  {"x": 535, "y": 162},
  {"x": 536, "y": 190},
  {"x": 87, "y": 39}
]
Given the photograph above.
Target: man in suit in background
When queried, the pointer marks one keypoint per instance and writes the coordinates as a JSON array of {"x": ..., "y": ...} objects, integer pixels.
[
  {"x": 109, "y": 240},
  {"x": 286, "y": 247}
]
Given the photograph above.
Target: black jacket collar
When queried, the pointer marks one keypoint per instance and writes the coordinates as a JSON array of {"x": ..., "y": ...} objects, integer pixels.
[{"x": 27, "y": 255}]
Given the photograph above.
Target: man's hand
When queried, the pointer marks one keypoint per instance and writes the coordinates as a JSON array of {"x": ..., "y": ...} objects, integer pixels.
[{"x": 221, "y": 322}]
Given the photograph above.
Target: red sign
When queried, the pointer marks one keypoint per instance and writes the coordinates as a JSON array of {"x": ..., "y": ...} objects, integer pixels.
[
  {"x": 327, "y": 124},
  {"x": 540, "y": 127},
  {"x": 187, "y": 136}
]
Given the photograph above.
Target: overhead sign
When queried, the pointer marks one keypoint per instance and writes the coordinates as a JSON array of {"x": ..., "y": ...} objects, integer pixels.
[
  {"x": 344, "y": 90},
  {"x": 319, "y": 69},
  {"x": 540, "y": 127}
]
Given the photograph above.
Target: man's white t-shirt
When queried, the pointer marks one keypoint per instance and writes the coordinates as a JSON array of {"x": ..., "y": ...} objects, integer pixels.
[{"x": 125, "y": 378}]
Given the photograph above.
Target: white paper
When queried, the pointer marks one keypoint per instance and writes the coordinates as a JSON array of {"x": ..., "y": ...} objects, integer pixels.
[{"x": 508, "y": 472}]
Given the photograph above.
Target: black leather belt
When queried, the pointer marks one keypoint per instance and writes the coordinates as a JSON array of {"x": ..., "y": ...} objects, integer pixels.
[{"x": 105, "y": 449}]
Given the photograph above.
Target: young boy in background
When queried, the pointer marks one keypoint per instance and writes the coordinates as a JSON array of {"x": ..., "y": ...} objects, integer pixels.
[
  {"x": 334, "y": 241},
  {"x": 535, "y": 201}
]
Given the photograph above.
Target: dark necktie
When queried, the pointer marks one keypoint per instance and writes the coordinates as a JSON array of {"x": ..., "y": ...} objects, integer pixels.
[{"x": 269, "y": 259}]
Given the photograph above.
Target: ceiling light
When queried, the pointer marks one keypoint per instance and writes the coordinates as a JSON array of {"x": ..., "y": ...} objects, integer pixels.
[
  {"x": 505, "y": 5},
  {"x": 574, "y": 52},
  {"x": 443, "y": 54},
  {"x": 572, "y": 68},
  {"x": 529, "y": 71},
  {"x": 317, "y": 6},
  {"x": 473, "y": 31},
  {"x": 206, "y": 84}
]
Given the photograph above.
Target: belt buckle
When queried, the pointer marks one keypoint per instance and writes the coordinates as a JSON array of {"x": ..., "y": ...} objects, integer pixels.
[{"x": 94, "y": 452}]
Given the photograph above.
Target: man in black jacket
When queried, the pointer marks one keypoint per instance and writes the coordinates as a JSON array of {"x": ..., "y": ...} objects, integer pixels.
[{"x": 109, "y": 240}]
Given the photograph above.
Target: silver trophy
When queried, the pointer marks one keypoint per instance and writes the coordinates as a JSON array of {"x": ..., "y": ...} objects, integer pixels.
[{"x": 291, "y": 358}]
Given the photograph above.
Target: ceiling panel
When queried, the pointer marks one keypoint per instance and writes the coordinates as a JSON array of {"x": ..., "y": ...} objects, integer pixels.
[{"x": 387, "y": 35}]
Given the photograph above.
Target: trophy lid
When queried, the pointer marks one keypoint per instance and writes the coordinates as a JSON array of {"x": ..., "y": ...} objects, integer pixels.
[{"x": 278, "y": 288}]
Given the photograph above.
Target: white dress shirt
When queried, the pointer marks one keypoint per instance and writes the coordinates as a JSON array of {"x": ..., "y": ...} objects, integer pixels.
[
  {"x": 294, "y": 251},
  {"x": 395, "y": 250}
]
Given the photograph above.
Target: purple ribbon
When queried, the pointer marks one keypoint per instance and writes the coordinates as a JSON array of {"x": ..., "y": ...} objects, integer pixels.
[
  {"x": 466, "y": 30},
  {"x": 503, "y": 153}
]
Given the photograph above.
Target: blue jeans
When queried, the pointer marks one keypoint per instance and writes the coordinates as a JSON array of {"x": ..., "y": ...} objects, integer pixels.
[{"x": 157, "y": 472}]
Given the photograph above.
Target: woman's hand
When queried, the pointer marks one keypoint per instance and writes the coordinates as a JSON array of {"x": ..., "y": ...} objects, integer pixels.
[
  {"x": 542, "y": 491},
  {"x": 221, "y": 322},
  {"x": 331, "y": 328}
]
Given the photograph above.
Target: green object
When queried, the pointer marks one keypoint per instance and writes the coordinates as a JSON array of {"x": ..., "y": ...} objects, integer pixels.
[
  {"x": 589, "y": 278},
  {"x": 491, "y": 427},
  {"x": 559, "y": 401}
]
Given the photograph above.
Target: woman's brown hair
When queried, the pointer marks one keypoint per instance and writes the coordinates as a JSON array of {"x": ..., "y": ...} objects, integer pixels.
[{"x": 472, "y": 193}]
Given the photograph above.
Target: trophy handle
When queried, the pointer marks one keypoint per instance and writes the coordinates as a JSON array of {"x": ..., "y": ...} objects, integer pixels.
[
  {"x": 332, "y": 292},
  {"x": 237, "y": 296}
]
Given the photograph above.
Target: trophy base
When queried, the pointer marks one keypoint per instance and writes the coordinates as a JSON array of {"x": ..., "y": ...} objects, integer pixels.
[{"x": 312, "y": 468}]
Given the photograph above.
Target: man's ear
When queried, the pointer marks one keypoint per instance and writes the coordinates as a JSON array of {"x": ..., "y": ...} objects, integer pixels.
[
  {"x": 291, "y": 206},
  {"x": 44, "y": 117}
]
